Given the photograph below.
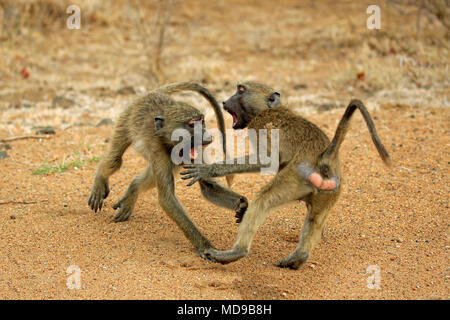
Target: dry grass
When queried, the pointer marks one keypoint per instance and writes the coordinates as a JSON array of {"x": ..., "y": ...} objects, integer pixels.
[
  {"x": 431, "y": 10},
  {"x": 323, "y": 49},
  {"x": 154, "y": 46},
  {"x": 318, "y": 54}
]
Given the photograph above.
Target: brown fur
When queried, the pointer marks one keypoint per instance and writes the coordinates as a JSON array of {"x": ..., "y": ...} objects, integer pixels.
[
  {"x": 147, "y": 124},
  {"x": 255, "y": 106}
]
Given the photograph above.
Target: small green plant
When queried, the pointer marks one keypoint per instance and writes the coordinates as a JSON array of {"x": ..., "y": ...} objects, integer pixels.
[
  {"x": 59, "y": 168},
  {"x": 46, "y": 169},
  {"x": 64, "y": 166}
]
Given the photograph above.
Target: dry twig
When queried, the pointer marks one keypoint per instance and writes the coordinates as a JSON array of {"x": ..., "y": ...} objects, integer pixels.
[
  {"x": 154, "y": 48},
  {"x": 22, "y": 202},
  {"x": 25, "y": 137}
]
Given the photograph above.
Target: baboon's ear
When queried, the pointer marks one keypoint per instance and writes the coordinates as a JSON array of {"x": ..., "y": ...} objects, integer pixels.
[
  {"x": 159, "y": 123},
  {"x": 273, "y": 100}
]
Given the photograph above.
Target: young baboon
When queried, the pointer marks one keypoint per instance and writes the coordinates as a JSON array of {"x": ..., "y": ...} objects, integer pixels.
[
  {"x": 147, "y": 124},
  {"x": 309, "y": 168}
]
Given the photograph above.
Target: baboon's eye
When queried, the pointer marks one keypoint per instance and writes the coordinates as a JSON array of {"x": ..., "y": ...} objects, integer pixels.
[{"x": 241, "y": 89}]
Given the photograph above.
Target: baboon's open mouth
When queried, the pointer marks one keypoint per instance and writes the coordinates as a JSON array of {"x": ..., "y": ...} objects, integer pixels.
[
  {"x": 194, "y": 153},
  {"x": 235, "y": 118}
]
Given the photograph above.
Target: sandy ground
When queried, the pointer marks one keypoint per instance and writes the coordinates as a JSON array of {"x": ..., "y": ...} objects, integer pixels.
[{"x": 394, "y": 219}]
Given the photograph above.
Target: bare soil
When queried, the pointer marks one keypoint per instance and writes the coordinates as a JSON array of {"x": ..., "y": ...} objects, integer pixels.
[{"x": 318, "y": 55}]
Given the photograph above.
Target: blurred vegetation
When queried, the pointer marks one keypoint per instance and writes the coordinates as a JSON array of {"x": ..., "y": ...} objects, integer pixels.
[{"x": 305, "y": 44}]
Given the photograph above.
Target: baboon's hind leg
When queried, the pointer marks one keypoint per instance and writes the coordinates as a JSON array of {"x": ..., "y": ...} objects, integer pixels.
[
  {"x": 284, "y": 188},
  {"x": 110, "y": 163},
  {"x": 142, "y": 182},
  {"x": 316, "y": 217}
]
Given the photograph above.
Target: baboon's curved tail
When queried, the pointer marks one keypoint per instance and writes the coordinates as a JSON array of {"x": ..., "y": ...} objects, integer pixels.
[
  {"x": 192, "y": 86},
  {"x": 333, "y": 148}
]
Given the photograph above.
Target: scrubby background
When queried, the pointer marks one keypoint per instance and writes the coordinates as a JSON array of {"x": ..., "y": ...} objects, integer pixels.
[{"x": 318, "y": 54}]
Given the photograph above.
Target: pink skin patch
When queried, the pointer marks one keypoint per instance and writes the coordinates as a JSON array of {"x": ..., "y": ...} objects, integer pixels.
[
  {"x": 235, "y": 119},
  {"x": 194, "y": 154},
  {"x": 328, "y": 185},
  {"x": 317, "y": 180},
  {"x": 308, "y": 172}
]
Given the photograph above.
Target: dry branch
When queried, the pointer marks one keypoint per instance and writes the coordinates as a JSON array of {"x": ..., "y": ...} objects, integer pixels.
[
  {"x": 24, "y": 137},
  {"x": 154, "y": 47},
  {"x": 22, "y": 202}
]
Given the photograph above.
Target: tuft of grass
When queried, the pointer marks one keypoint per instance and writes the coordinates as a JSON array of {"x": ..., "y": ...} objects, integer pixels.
[
  {"x": 46, "y": 169},
  {"x": 63, "y": 166},
  {"x": 94, "y": 159},
  {"x": 80, "y": 160},
  {"x": 59, "y": 168}
]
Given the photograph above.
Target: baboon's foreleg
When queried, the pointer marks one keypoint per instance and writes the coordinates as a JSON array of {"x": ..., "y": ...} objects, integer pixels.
[
  {"x": 224, "y": 197},
  {"x": 283, "y": 188},
  {"x": 170, "y": 204},
  {"x": 197, "y": 172},
  {"x": 110, "y": 163},
  {"x": 142, "y": 182},
  {"x": 311, "y": 234}
]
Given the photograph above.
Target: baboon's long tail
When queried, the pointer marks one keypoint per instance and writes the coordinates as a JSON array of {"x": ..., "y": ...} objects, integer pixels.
[
  {"x": 192, "y": 86},
  {"x": 333, "y": 148}
]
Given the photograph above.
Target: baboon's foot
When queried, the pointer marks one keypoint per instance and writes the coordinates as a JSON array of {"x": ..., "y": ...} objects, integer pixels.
[
  {"x": 202, "y": 251},
  {"x": 240, "y": 208},
  {"x": 126, "y": 205},
  {"x": 99, "y": 192},
  {"x": 225, "y": 257},
  {"x": 293, "y": 261}
]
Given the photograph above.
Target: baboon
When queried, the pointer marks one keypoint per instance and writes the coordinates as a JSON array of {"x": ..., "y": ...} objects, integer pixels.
[
  {"x": 147, "y": 124},
  {"x": 309, "y": 168}
]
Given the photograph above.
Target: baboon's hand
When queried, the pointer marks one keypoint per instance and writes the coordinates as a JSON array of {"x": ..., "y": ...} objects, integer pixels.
[
  {"x": 196, "y": 172},
  {"x": 241, "y": 207},
  {"x": 99, "y": 192},
  {"x": 225, "y": 257}
]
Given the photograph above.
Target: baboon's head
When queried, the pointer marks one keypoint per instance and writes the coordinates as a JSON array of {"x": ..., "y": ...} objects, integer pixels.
[
  {"x": 250, "y": 99},
  {"x": 182, "y": 123}
]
